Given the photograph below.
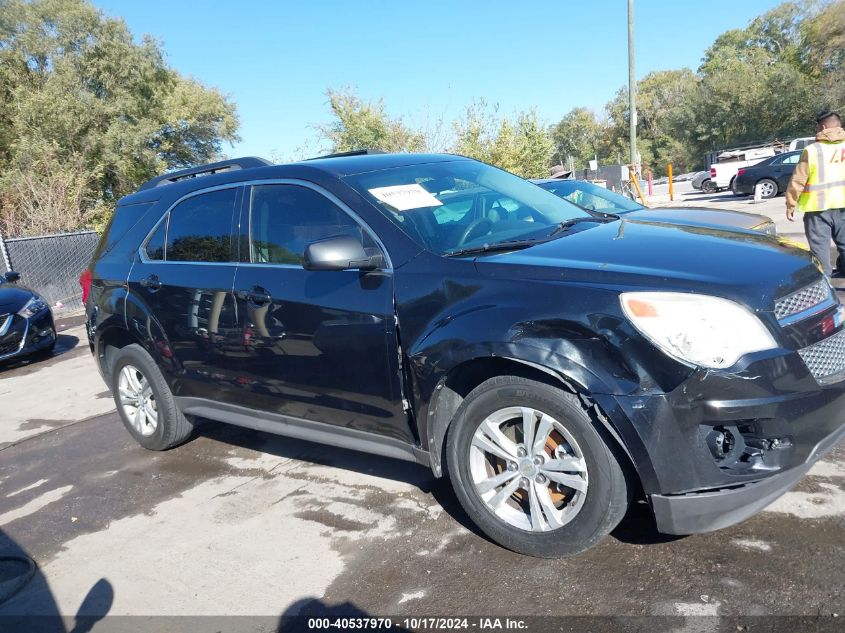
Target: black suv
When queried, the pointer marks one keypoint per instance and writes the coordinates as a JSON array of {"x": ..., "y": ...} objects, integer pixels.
[{"x": 556, "y": 364}]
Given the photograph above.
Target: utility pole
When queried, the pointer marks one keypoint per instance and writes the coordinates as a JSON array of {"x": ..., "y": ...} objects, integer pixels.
[{"x": 632, "y": 86}]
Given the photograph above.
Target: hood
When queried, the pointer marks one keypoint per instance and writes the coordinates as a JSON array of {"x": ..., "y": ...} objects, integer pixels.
[
  {"x": 831, "y": 135},
  {"x": 748, "y": 267},
  {"x": 13, "y": 297},
  {"x": 711, "y": 218}
]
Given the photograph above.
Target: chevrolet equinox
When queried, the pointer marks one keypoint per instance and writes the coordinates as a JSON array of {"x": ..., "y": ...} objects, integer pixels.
[{"x": 556, "y": 364}]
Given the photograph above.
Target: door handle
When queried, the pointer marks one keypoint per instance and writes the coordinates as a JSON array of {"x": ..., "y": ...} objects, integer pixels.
[
  {"x": 257, "y": 296},
  {"x": 151, "y": 283}
]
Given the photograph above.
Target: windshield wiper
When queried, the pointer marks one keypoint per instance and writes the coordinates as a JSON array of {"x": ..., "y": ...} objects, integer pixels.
[
  {"x": 567, "y": 224},
  {"x": 510, "y": 245}
]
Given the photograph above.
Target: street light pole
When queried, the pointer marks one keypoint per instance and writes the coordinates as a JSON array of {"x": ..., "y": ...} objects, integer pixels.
[{"x": 632, "y": 86}]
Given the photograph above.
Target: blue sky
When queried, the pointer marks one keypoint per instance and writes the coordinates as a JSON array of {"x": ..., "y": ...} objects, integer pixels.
[{"x": 427, "y": 60}]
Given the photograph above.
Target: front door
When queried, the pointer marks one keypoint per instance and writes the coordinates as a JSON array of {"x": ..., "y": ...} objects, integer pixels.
[{"x": 319, "y": 345}]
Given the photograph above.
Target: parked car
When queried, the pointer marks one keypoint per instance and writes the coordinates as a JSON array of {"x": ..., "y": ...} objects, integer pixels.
[
  {"x": 702, "y": 182},
  {"x": 557, "y": 364},
  {"x": 723, "y": 173},
  {"x": 26, "y": 322},
  {"x": 593, "y": 197},
  {"x": 772, "y": 175},
  {"x": 801, "y": 143}
]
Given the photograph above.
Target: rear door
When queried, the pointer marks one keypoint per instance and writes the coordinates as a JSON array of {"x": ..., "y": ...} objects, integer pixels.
[
  {"x": 318, "y": 345},
  {"x": 785, "y": 170},
  {"x": 184, "y": 275}
]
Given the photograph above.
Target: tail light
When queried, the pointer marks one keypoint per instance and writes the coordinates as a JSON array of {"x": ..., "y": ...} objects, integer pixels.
[
  {"x": 712, "y": 172},
  {"x": 85, "y": 282},
  {"x": 740, "y": 172}
]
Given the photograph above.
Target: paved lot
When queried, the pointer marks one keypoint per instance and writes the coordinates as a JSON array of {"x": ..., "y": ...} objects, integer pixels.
[{"x": 239, "y": 522}]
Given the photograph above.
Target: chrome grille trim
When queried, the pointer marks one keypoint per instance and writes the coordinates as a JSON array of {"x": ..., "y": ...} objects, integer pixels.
[
  {"x": 802, "y": 299},
  {"x": 826, "y": 359}
]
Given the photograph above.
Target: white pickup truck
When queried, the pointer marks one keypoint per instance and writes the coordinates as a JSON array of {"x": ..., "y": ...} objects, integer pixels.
[{"x": 722, "y": 173}]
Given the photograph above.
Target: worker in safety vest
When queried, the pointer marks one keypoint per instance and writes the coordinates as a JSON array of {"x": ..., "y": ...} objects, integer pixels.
[{"x": 817, "y": 189}]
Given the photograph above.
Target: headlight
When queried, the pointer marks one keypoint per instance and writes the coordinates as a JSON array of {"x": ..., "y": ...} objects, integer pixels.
[
  {"x": 768, "y": 228},
  {"x": 697, "y": 329},
  {"x": 32, "y": 307}
]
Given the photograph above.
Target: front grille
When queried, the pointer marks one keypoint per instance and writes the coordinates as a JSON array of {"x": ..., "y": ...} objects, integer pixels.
[
  {"x": 826, "y": 359},
  {"x": 11, "y": 341},
  {"x": 803, "y": 299}
]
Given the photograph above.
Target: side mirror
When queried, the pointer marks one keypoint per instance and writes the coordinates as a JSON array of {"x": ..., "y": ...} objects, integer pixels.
[
  {"x": 342, "y": 252},
  {"x": 12, "y": 276}
]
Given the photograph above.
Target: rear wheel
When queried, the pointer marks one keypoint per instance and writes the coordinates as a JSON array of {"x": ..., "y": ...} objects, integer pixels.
[
  {"x": 708, "y": 186},
  {"x": 144, "y": 401},
  {"x": 768, "y": 188},
  {"x": 531, "y": 469},
  {"x": 732, "y": 187}
]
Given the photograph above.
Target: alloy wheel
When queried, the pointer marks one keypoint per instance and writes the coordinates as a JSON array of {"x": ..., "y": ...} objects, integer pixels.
[
  {"x": 138, "y": 400},
  {"x": 528, "y": 469},
  {"x": 767, "y": 189}
]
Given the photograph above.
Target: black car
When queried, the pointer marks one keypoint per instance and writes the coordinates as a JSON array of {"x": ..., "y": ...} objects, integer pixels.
[
  {"x": 772, "y": 175},
  {"x": 594, "y": 197},
  {"x": 26, "y": 322},
  {"x": 556, "y": 364}
]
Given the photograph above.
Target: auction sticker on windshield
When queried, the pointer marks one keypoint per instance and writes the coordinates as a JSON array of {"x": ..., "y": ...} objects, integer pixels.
[{"x": 406, "y": 197}]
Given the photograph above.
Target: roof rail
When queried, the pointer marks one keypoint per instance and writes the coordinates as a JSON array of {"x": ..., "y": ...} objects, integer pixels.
[
  {"x": 205, "y": 170},
  {"x": 354, "y": 152}
]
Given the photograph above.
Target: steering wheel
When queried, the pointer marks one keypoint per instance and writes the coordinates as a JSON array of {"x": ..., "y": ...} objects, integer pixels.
[{"x": 472, "y": 228}]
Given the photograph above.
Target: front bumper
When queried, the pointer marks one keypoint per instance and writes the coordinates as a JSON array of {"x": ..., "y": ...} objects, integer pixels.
[
  {"x": 781, "y": 421},
  {"x": 713, "y": 510},
  {"x": 21, "y": 337}
]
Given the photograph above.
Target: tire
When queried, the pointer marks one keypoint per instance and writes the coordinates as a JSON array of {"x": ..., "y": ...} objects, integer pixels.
[
  {"x": 732, "y": 187},
  {"x": 708, "y": 187},
  {"x": 769, "y": 188},
  {"x": 577, "y": 519},
  {"x": 171, "y": 426}
]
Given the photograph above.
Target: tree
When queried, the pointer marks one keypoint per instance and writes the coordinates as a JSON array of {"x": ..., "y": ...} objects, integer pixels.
[
  {"x": 578, "y": 135},
  {"x": 362, "y": 124},
  {"x": 82, "y": 102},
  {"x": 521, "y": 144}
]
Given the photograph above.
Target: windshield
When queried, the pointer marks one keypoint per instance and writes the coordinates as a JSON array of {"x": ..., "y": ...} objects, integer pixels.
[
  {"x": 591, "y": 197},
  {"x": 461, "y": 204}
]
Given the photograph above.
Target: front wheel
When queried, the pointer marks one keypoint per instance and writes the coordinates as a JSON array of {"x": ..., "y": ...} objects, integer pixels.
[{"x": 532, "y": 470}]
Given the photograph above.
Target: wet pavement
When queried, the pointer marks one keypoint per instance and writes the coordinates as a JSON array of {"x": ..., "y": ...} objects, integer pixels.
[{"x": 240, "y": 522}]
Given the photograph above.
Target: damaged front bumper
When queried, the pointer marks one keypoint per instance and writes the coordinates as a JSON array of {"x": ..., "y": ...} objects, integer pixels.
[
  {"x": 710, "y": 510},
  {"x": 723, "y": 445}
]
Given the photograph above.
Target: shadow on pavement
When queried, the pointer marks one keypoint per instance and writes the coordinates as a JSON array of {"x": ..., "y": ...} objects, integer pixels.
[
  {"x": 295, "y": 616},
  {"x": 64, "y": 344},
  {"x": 27, "y": 603}
]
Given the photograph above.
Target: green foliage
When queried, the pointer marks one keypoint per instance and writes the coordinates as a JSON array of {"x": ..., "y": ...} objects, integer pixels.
[
  {"x": 579, "y": 134},
  {"x": 82, "y": 101},
  {"x": 760, "y": 83},
  {"x": 521, "y": 144},
  {"x": 361, "y": 124}
]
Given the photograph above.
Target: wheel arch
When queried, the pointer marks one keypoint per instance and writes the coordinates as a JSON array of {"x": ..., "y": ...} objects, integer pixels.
[{"x": 459, "y": 381}]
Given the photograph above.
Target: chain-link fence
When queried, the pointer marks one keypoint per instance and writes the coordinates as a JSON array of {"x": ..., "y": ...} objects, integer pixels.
[{"x": 51, "y": 265}]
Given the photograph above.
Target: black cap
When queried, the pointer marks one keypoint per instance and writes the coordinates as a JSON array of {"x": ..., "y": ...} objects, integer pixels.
[{"x": 821, "y": 116}]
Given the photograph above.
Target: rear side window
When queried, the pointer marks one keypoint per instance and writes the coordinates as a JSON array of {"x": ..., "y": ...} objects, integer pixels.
[
  {"x": 200, "y": 228},
  {"x": 792, "y": 159},
  {"x": 123, "y": 219},
  {"x": 284, "y": 219}
]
